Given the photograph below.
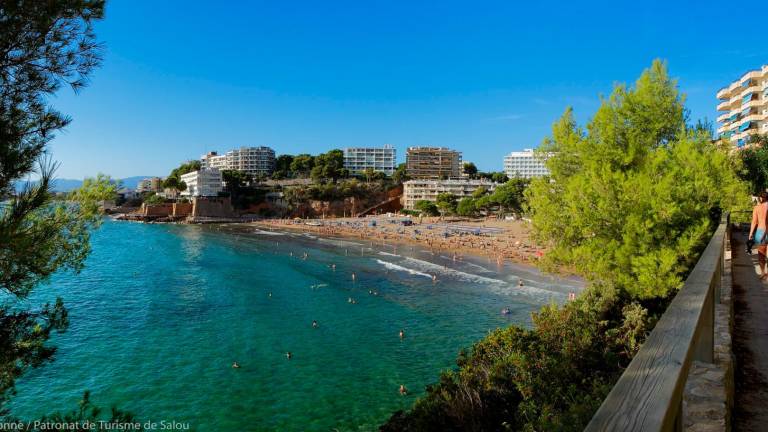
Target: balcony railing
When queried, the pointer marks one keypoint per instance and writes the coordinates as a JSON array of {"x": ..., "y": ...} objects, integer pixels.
[{"x": 649, "y": 394}]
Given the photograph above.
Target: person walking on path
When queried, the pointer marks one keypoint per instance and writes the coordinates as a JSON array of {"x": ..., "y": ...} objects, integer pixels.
[{"x": 758, "y": 231}]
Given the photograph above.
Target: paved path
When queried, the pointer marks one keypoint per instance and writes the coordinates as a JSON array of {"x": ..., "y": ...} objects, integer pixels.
[{"x": 750, "y": 340}]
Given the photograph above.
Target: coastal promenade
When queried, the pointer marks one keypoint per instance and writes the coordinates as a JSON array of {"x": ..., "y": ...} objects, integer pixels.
[
  {"x": 750, "y": 340},
  {"x": 705, "y": 365}
]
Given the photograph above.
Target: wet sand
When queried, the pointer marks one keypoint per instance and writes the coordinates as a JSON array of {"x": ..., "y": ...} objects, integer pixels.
[{"x": 498, "y": 240}]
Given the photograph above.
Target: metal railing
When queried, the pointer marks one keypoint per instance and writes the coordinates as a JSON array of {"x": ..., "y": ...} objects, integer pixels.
[{"x": 649, "y": 394}]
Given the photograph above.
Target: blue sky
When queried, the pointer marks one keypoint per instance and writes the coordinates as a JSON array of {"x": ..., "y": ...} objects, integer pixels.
[{"x": 183, "y": 77}]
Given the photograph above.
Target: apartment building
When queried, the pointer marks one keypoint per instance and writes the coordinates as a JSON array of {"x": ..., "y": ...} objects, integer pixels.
[
  {"x": 744, "y": 107},
  {"x": 381, "y": 159},
  {"x": 429, "y": 189},
  {"x": 433, "y": 162},
  {"x": 255, "y": 161},
  {"x": 525, "y": 164},
  {"x": 206, "y": 182},
  {"x": 151, "y": 184}
]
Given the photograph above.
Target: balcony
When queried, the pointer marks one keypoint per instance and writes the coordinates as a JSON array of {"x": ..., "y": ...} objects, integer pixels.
[{"x": 724, "y": 106}]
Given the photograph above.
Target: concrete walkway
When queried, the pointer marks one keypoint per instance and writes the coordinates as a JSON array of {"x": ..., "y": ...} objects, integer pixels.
[{"x": 750, "y": 340}]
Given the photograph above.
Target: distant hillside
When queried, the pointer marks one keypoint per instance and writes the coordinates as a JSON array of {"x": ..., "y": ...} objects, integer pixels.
[{"x": 67, "y": 185}]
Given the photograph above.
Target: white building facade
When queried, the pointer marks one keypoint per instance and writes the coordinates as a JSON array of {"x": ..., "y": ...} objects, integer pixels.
[
  {"x": 255, "y": 161},
  {"x": 206, "y": 182},
  {"x": 525, "y": 164},
  {"x": 428, "y": 190},
  {"x": 381, "y": 159},
  {"x": 744, "y": 107}
]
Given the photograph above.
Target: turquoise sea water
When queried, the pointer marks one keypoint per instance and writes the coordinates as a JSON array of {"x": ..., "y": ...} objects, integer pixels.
[{"x": 161, "y": 311}]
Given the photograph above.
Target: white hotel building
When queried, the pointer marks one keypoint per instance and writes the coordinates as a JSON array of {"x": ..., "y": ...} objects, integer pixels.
[
  {"x": 255, "y": 161},
  {"x": 206, "y": 182},
  {"x": 744, "y": 107},
  {"x": 381, "y": 159},
  {"x": 525, "y": 164},
  {"x": 429, "y": 189}
]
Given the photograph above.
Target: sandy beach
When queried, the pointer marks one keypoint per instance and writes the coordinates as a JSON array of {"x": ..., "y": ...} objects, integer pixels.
[{"x": 498, "y": 240}]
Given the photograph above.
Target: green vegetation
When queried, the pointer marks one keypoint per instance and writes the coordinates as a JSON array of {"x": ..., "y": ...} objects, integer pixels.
[
  {"x": 45, "y": 45},
  {"x": 497, "y": 177},
  {"x": 333, "y": 191},
  {"x": 466, "y": 207},
  {"x": 93, "y": 191},
  {"x": 755, "y": 159},
  {"x": 427, "y": 208},
  {"x": 241, "y": 189},
  {"x": 400, "y": 175},
  {"x": 446, "y": 203},
  {"x": 632, "y": 201},
  {"x": 173, "y": 181},
  {"x": 470, "y": 169},
  {"x": 152, "y": 198},
  {"x": 329, "y": 166}
]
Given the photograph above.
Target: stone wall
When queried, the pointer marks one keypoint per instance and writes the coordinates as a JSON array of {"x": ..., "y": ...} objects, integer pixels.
[
  {"x": 212, "y": 208},
  {"x": 159, "y": 210},
  {"x": 709, "y": 391},
  {"x": 182, "y": 209}
]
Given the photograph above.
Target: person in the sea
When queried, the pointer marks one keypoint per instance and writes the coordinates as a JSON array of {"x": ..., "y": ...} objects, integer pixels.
[
  {"x": 758, "y": 232},
  {"x": 402, "y": 334},
  {"x": 315, "y": 324},
  {"x": 288, "y": 355},
  {"x": 236, "y": 365},
  {"x": 403, "y": 390}
]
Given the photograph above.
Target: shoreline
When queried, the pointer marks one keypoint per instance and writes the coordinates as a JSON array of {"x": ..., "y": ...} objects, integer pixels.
[{"x": 498, "y": 241}]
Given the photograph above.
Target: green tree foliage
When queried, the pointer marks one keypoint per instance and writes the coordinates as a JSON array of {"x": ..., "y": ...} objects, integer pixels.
[
  {"x": 446, "y": 203},
  {"x": 549, "y": 378},
  {"x": 480, "y": 192},
  {"x": 240, "y": 187},
  {"x": 44, "y": 45},
  {"x": 631, "y": 202},
  {"x": 153, "y": 199},
  {"x": 427, "y": 208},
  {"x": 510, "y": 196},
  {"x": 470, "y": 169},
  {"x": 634, "y": 195},
  {"x": 302, "y": 165},
  {"x": 283, "y": 163},
  {"x": 497, "y": 177},
  {"x": 466, "y": 207},
  {"x": 755, "y": 160},
  {"x": 173, "y": 181},
  {"x": 400, "y": 176},
  {"x": 329, "y": 166},
  {"x": 93, "y": 191}
]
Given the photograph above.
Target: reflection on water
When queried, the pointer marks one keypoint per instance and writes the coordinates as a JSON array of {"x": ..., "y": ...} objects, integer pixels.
[{"x": 161, "y": 311}]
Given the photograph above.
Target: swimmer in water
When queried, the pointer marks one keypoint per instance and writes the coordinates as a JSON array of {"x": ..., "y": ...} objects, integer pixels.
[
  {"x": 403, "y": 390},
  {"x": 288, "y": 355},
  {"x": 520, "y": 283},
  {"x": 333, "y": 266},
  {"x": 434, "y": 279},
  {"x": 402, "y": 334},
  {"x": 354, "y": 276},
  {"x": 315, "y": 324},
  {"x": 236, "y": 365},
  {"x": 269, "y": 295}
]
